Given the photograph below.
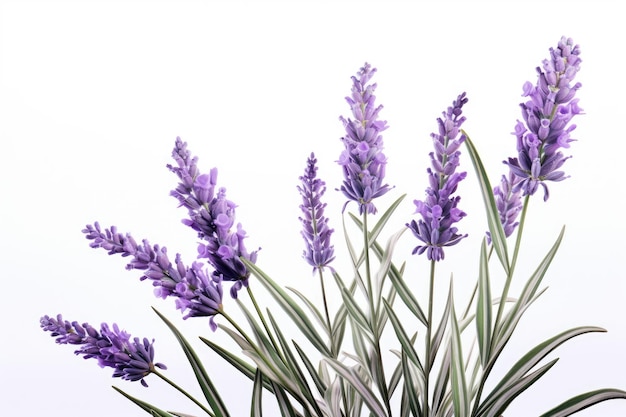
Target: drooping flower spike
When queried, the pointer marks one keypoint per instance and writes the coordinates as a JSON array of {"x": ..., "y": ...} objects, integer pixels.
[
  {"x": 213, "y": 217},
  {"x": 315, "y": 231},
  {"x": 546, "y": 130},
  {"x": 196, "y": 292},
  {"x": 363, "y": 160},
  {"x": 132, "y": 360},
  {"x": 439, "y": 209}
]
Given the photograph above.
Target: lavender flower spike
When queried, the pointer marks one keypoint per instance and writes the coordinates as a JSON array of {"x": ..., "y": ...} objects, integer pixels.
[
  {"x": 439, "y": 210},
  {"x": 194, "y": 290},
  {"x": 315, "y": 231},
  {"x": 362, "y": 160},
  {"x": 213, "y": 217},
  {"x": 508, "y": 203},
  {"x": 547, "y": 113},
  {"x": 132, "y": 360}
]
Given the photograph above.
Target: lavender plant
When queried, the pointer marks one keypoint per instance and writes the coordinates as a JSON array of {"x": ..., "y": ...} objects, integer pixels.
[{"x": 378, "y": 353}]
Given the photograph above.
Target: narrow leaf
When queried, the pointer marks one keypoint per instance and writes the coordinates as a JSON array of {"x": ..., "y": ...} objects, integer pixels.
[
  {"x": 148, "y": 408},
  {"x": 582, "y": 401},
  {"x": 483, "y": 307},
  {"x": 206, "y": 385},
  {"x": 256, "y": 409},
  {"x": 496, "y": 231},
  {"x": 290, "y": 307},
  {"x": 460, "y": 395}
]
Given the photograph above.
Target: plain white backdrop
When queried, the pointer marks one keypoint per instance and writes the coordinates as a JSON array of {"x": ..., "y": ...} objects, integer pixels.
[{"x": 93, "y": 95}]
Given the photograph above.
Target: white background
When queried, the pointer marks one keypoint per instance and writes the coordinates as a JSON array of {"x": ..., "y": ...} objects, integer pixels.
[{"x": 93, "y": 94}]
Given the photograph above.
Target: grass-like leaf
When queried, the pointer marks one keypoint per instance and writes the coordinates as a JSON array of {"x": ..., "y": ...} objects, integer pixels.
[
  {"x": 405, "y": 341},
  {"x": 256, "y": 409},
  {"x": 582, "y": 401},
  {"x": 528, "y": 361},
  {"x": 284, "y": 405},
  {"x": 483, "y": 307},
  {"x": 206, "y": 385},
  {"x": 367, "y": 395},
  {"x": 148, "y": 408},
  {"x": 292, "y": 309},
  {"x": 503, "y": 333},
  {"x": 410, "y": 388},
  {"x": 496, "y": 231},
  {"x": 460, "y": 395}
]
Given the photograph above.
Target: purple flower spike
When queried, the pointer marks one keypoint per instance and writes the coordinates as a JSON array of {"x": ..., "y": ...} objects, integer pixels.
[
  {"x": 196, "y": 293},
  {"x": 439, "y": 210},
  {"x": 363, "y": 160},
  {"x": 315, "y": 231},
  {"x": 550, "y": 107},
  {"x": 213, "y": 217},
  {"x": 508, "y": 203},
  {"x": 131, "y": 360}
]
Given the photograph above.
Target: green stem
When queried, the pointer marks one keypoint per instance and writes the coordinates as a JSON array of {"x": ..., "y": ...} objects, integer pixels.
[
  {"x": 182, "y": 391},
  {"x": 429, "y": 329},
  {"x": 328, "y": 324}
]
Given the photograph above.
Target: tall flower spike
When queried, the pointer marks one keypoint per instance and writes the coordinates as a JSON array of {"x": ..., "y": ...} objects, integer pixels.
[
  {"x": 132, "y": 360},
  {"x": 213, "y": 217},
  {"x": 196, "y": 293},
  {"x": 315, "y": 231},
  {"x": 439, "y": 210},
  {"x": 545, "y": 130},
  {"x": 363, "y": 160},
  {"x": 508, "y": 203}
]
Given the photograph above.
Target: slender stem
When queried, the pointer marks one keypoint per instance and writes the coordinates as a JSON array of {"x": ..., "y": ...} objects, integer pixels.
[
  {"x": 182, "y": 391},
  {"x": 429, "y": 327},
  {"x": 328, "y": 324},
  {"x": 469, "y": 305}
]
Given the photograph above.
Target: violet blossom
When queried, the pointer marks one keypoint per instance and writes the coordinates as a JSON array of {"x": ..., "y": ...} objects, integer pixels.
[
  {"x": 546, "y": 129},
  {"x": 363, "y": 160},
  {"x": 439, "y": 210},
  {"x": 315, "y": 231},
  {"x": 131, "y": 360},
  {"x": 196, "y": 292},
  {"x": 508, "y": 199},
  {"x": 212, "y": 216}
]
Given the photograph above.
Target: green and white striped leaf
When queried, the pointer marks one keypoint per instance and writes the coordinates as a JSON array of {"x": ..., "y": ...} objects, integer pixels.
[
  {"x": 519, "y": 370},
  {"x": 367, "y": 395},
  {"x": 503, "y": 333},
  {"x": 496, "y": 231},
  {"x": 204, "y": 381},
  {"x": 483, "y": 307},
  {"x": 148, "y": 408},
  {"x": 292, "y": 309},
  {"x": 284, "y": 405},
  {"x": 256, "y": 409},
  {"x": 582, "y": 401},
  {"x": 405, "y": 341},
  {"x": 460, "y": 395}
]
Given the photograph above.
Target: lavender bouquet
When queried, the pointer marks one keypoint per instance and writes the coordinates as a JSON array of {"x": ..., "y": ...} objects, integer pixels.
[{"x": 339, "y": 363}]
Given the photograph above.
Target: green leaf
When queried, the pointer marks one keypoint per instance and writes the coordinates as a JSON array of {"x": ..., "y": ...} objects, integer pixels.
[
  {"x": 582, "y": 401},
  {"x": 439, "y": 333},
  {"x": 411, "y": 390},
  {"x": 496, "y": 231},
  {"x": 483, "y": 307},
  {"x": 292, "y": 309},
  {"x": 286, "y": 409},
  {"x": 148, "y": 408},
  {"x": 317, "y": 380},
  {"x": 528, "y": 361},
  {"x": 460, "y": 395},
  {"x": 206, "y": 385},
  {"x": 316, "y": 313},
  {"x": 256, "y": 409},
  {"x": 405, "y": 341},
  {"x": 503, "y": 333},
  {"x": 351, "y": 377},
  {"x": 514, "y": 390}
]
